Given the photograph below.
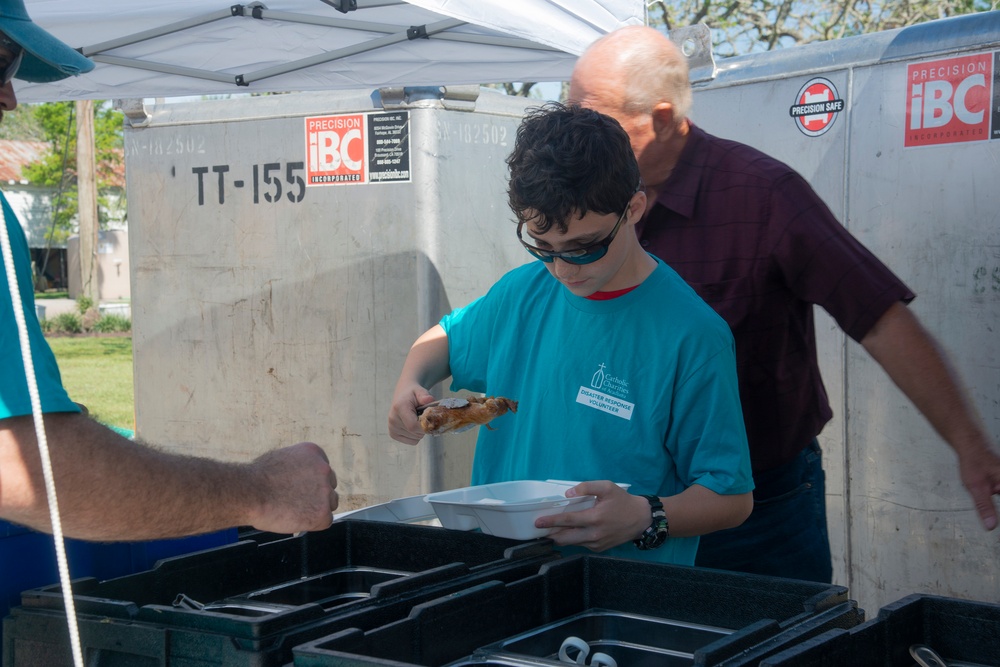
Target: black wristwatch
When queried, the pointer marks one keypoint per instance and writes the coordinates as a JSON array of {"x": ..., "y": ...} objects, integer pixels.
[{"x": 658, "y": 531}]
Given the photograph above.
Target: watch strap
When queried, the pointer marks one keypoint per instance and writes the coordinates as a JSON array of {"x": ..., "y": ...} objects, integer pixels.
[{"x": 658, "y": 531}]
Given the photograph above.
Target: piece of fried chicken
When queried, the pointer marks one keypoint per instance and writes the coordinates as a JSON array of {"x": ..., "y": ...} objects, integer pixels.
[{"x": 480, "y": 410}]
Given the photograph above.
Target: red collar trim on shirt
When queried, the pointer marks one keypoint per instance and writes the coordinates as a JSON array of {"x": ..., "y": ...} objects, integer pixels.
[{"x": 607, "y": 296}]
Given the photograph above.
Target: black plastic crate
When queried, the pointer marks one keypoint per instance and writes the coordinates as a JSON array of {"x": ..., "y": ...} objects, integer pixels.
[
  {"x": 28, "y": 558},
  {"x": 958, "y": 630},
  {"x": 250, "y": 602},
  {"x": 724, "y": 618}
]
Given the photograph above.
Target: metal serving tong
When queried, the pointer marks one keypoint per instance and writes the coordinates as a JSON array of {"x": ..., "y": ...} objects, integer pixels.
[
  {"x": 448, "y": 403},
  {"x": 928, "y": 657},
  {"x": 445, "y": 403}
]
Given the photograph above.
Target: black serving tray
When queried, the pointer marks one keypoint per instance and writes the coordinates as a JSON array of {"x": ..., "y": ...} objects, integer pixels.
[
  {"x": 661, "y": 614},
  {"x": 250, "y": 602},
  {"x": 958, "y": 631}
]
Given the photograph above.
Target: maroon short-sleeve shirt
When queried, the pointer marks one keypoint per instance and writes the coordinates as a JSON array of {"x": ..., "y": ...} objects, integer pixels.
[{"x": 758, "y": 244}]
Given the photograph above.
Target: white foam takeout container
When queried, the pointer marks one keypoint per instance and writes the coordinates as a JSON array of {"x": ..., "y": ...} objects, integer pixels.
[{"x": 506, "y": 509}]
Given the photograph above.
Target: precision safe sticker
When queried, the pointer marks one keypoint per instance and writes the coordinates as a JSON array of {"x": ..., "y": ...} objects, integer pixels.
[{"x": 816, "y": 107}]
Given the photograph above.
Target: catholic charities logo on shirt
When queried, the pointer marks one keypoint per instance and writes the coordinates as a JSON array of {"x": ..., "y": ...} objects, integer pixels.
[{"x": 607, "y": 393}]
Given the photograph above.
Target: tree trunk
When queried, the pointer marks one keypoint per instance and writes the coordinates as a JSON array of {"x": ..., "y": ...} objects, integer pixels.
[{"x": 87, "y": 199}]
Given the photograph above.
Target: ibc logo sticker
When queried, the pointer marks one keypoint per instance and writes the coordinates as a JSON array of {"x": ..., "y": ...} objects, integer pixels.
[
  {"x": 336, "y": 149},
  {"x": 816, "y": 107},
  {"x": 948, "y": 101}
]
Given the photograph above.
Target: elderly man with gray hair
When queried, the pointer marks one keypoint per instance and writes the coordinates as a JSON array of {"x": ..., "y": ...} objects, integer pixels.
[{"x": 759, "y": 245}]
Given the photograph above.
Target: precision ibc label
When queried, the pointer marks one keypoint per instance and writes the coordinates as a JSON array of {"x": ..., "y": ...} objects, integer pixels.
[
  {"x": 335, "y": 149},
  {"x": 359, "y": 148},
  {"x": 951, "y": 101},
  {"x": 389, "y": 147}
]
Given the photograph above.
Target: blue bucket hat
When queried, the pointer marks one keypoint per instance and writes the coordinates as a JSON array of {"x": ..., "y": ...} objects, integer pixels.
[{"x": 45, "y": 57}]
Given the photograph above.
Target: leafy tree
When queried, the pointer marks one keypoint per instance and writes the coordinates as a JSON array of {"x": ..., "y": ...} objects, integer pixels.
[
  {"x": 57, "y": 169},
  {"x": 21, "y": 125},
  {"x": 515, "y": 89},
  {"x": 746, "y": 26}
]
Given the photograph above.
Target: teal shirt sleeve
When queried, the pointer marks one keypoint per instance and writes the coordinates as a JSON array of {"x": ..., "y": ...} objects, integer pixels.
[
  {"x": 14, "y": 397},
  {"x": 462, "y": 355},
  {"x": 470, "y": 331},
  {"x": 709, "y": 444}
]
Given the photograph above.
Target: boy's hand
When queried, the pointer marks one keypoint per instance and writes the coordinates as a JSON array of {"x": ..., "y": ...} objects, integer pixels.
[
  {"x": 616, "y": 518},
  {"x": 403, "y": 423}
]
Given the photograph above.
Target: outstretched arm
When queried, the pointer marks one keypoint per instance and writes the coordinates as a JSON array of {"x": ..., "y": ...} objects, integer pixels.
[
  {"x": 110, "y": 488},
  {"x": 619, "y": 517},
  {"x": 913, "y": 361},
  {"x": 425, "y": 366}
]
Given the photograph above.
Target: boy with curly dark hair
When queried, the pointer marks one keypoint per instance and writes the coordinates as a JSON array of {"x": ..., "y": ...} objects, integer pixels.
[{"x": 569, "y": 337}]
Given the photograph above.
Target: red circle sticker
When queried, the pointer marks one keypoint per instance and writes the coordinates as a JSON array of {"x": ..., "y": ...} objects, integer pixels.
[{"x": 816, "y": 107}]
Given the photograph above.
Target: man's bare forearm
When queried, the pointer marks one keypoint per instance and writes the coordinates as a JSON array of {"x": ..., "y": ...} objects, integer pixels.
[
  {"x": 110, "y": 488},
  {"x": 913, "y": 361}
]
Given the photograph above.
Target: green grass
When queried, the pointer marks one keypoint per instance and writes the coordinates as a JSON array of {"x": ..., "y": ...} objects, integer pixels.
[
  {"x": 51, "y": 295},
  {"x": 97, "y": 372}
]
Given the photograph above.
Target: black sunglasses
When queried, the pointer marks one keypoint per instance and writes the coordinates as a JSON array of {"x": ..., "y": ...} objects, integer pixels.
[
  {"x": 17, "y": 54},
  {"x": 585, "y": 255}
]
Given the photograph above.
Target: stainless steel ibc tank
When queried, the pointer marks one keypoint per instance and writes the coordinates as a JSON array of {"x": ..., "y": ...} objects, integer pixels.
[{"x": 286, "y": 252}]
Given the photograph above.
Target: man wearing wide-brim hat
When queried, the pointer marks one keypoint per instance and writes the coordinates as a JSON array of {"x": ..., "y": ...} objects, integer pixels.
[
  {"x": 43, "y": 57},
  {"x": 110, "y": 488}
]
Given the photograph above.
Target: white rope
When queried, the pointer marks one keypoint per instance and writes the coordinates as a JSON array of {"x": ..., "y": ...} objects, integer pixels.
[{"x": 43, "y": 445}]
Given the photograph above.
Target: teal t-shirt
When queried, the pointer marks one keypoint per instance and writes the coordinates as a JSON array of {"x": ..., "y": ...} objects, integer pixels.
[
  {"x": 14, "y": 397},
  {"x": 640, "y": 389}
]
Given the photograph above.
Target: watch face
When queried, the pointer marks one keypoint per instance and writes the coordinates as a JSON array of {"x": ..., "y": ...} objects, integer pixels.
[
  {"x": 658, "y": 540},
  {"x": 650, "y": 539}
]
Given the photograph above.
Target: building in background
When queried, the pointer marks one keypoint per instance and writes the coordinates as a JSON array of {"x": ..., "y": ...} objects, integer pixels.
[
  {"x": 57, "y": 264},
  {"x": 112, "y": 267},
  {"x": 33, "y": 206}
]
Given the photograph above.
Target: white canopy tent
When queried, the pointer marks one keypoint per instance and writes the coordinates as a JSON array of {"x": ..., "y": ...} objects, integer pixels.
[{"x": 200, "y": 47}]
